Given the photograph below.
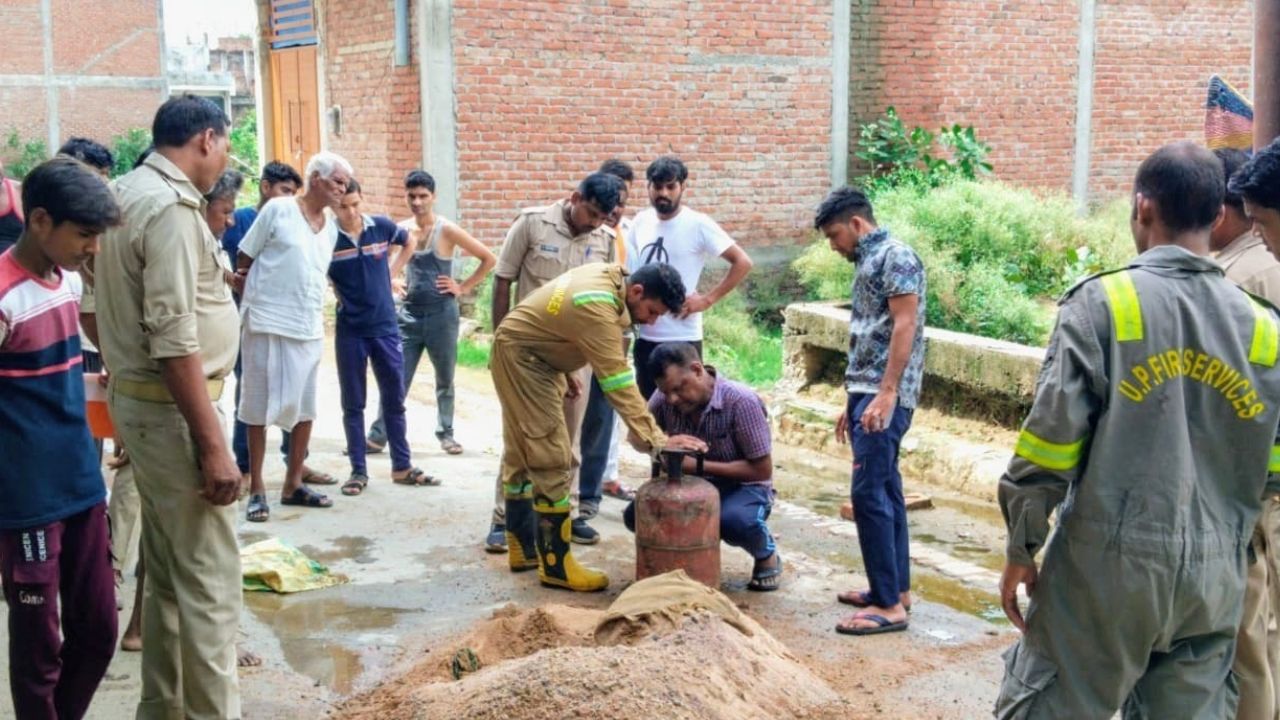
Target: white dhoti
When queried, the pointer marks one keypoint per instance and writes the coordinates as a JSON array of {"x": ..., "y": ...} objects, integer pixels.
[{"x": 278, "y": 379}]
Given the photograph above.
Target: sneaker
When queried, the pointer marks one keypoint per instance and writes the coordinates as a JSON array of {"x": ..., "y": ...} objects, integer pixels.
[
  {"x": 496, "y": 541},
  {"x": 584, "y": 534}
]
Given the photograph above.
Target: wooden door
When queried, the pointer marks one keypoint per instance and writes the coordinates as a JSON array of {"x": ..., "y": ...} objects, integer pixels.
[{"x": 295, "y": 105}]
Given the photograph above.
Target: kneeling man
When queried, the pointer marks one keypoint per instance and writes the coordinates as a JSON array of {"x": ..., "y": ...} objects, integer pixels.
[{"x": 692, "y": 399}]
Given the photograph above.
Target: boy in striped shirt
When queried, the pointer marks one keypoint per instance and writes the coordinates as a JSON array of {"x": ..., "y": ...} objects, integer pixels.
[{"x": 54, "y": 544}]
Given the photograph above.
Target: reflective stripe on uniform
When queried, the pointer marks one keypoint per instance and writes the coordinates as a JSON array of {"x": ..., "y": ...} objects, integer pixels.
[
  {"x": 594, "y": 296},
  {"x": 1266, "y": 337},
  {"x": 1274, "y": 465},
  {"x": 623, "y": 379},
  {"x": 1049, "y": 455},
  {"x": 1126, "y": 312}
]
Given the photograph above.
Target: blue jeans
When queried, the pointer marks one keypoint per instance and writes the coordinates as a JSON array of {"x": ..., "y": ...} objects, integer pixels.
[
  {"x": 744, "y": 510},
  {"x": 594, "y": 442},
  {"x": 432, "y": 329},
  {"x": 355, "y": 355},
  {"x": 878, "y": 506},
  {"x": 240, "y": 433}
]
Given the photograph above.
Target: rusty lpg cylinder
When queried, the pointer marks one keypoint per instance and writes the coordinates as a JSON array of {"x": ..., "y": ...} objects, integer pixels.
[{"x": 678, "y": 523}]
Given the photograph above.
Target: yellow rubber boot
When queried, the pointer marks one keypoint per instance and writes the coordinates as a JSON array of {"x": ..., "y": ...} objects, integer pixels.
[
  {"x": 521, "y": 527},
  {"x": 556, "y": 564}
]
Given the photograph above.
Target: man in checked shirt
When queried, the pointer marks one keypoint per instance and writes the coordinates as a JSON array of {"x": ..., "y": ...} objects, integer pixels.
[{"x": 692, "y": 399}]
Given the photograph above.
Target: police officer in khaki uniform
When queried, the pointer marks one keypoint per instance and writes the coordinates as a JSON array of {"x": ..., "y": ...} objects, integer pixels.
[
  {"x": 1247, "y": 262},
  {"x": 542, "y": 244},
  {"x": 1154, "y": 428},
  {"x": 575, "y": 321},
  {"x": 169, "y": 333}
]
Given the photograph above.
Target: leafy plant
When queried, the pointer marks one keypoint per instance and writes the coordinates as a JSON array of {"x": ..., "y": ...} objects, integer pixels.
[
  {"x": 20, "y": 156},
  {"x": 244, "y": 143},
  {"x": 968, "y": 153},
  {"x": 899, "y": 156},
  {"x": 127, "y": 148}
]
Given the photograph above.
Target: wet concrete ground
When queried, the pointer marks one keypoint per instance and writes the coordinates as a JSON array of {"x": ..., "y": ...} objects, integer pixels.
[{"x": 418, "y": 575}]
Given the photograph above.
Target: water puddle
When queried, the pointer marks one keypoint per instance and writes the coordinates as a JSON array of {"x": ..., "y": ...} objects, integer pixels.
[
  {"x": 347, "y": 547},
  {"x": 308, "y": 628}
]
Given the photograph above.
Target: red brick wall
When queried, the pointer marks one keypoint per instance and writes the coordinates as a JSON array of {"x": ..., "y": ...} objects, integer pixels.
[
  {"x": 121, "y": 38},
  {"x": 1009, "y": 69},
  {"x": 381, "y": 127},
  {"x": 1151, "y": 70}
]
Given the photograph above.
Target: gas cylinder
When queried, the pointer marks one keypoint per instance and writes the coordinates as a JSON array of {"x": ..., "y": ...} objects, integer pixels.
[{"x": 678, "y": 523}]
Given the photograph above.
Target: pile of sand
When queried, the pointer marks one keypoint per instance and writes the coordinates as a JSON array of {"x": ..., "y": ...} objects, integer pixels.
[{"x": 695, "y": 660}]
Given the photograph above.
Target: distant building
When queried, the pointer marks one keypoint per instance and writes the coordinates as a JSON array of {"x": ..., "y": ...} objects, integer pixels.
[{"x": 222, "y": 70}]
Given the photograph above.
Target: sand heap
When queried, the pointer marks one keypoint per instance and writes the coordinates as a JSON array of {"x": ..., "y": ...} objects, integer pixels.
[{"x": 667, "y": 648}]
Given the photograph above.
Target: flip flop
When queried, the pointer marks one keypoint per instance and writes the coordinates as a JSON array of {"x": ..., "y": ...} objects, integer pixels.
[
  {"x": 315, "y": 477},
  {"x": 858, "y": 599},
  {"x": 616, "y": 489},
  {"x": 355, "y": 484},
  {"x": 417, "y": 478},
  {"x": 257, "y": 510},
  {"x": 373, "y": 448},
  {"x": 883, "y": 625},
  {"x": 450, "y": 446},
  {"x": 306, "y": 497},
  {"x": 768, "y": 579}
]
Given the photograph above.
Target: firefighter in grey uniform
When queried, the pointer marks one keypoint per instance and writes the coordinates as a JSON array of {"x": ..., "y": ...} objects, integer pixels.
[{"x": 1154, "y": 428}]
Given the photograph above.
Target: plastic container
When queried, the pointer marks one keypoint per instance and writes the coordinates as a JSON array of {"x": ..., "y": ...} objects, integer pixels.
[{"x": 95, "y": 408}]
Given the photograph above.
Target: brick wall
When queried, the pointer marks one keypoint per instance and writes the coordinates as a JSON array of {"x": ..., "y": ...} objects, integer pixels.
[
  {"x": 1151, "y": 71},
  {"x": 1010, "y": 69},
  {"x": 95, "y": 45},
  {"x": 742, "y": 91},
  {"x": 381, "y": 126}
]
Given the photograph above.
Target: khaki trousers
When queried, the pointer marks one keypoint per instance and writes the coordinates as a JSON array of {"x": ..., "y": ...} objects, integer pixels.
[
  {"x": 1257, "y": 651},
  {"x": 192, "y": 600},
  {"x": 125, "y": 511},
  {"x": 537, "y": 456},
  {"x": 574, "y": 410}
]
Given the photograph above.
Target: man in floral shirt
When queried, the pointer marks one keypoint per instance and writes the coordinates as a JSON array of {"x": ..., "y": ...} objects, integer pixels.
[{"x": 886, "y": 363}]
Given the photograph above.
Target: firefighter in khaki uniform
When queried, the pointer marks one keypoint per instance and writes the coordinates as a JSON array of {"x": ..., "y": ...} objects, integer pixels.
[
  {"x": 574, "y": 321},
  {"x": 1154, "y": 427},
  {"x": 169, "y": 332},
  {"x": 543, "y": 244}
]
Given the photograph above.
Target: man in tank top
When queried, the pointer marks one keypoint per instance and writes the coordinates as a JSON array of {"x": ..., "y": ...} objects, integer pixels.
[{"x": 429, "y": 313}]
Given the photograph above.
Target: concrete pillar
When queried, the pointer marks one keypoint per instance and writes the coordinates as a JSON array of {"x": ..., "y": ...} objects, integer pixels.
[
  {"x": 439, "y": 107},
  {"x": 841, "y": 31},
  {"x": 1266, "y": 72},
  {"x": 51, "y": 90},
  {"x": 1084, "y": 104}
]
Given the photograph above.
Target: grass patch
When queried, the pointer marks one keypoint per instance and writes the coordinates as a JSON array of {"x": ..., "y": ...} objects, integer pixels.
[
  {"x": 740, "y": 348},
  {"x": 473, "y": 353}
]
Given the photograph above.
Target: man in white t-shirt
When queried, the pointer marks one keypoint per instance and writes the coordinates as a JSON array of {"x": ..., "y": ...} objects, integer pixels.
[
  {"x": 284, "y": 263},
  {"x": 670, "y": 233}
]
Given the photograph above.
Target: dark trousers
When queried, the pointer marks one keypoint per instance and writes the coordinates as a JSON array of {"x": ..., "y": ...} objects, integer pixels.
[
  {"x": 744, "y": 512},
  {"x": 641, "y": 352},
  {"x": 431, "y": 329},
  {"x": 878, "y": 506},
  {"x": 593, "y": 443},
  {"x": 240, "y": 433},
  {"x": 355, "y": 355},
  {"x": 55, "y": 664}
]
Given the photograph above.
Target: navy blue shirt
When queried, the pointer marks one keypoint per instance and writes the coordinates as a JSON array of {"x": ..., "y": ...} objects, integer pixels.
[
  {"x": 231, "y": 238},
  {"x": 362, "y": 278}
]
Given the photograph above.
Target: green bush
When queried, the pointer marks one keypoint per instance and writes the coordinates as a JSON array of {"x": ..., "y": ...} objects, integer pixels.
[
  {"x": 996, "y": 255},
  {"x": 898, "y": 156},
  {"x": 127, "y": 148},
  {"x": 244, "y": 144},
  {"x": 20, "y": 156}
]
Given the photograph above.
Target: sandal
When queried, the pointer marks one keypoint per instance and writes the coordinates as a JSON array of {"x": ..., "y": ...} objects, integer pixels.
[
  {"x": 615, "y": 489},
  {"x": 767, "y": 579},
  {"x": 450, "y": 446},
  {"x": 883, "y": 625},
  {"x": 373, "y": 448},
  {"x": 258, "y": 510},
  {"x": 315, "y": 477},
  {"x": 417, "y": 478},
  {"x": 306, "y": 497},
  {"x": 355, "y": 484},
  {"x": 858, "y": 599}
]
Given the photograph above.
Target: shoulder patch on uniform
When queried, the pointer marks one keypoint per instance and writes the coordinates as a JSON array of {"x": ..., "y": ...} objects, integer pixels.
[
  {"x": 532, "y": 210},
  {"x": 1260, "y": 300},
  {"x": 1086, "y": 280}
]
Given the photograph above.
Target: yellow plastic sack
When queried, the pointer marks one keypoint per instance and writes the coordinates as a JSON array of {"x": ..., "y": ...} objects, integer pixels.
[{"x": 272, "y": 566}]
